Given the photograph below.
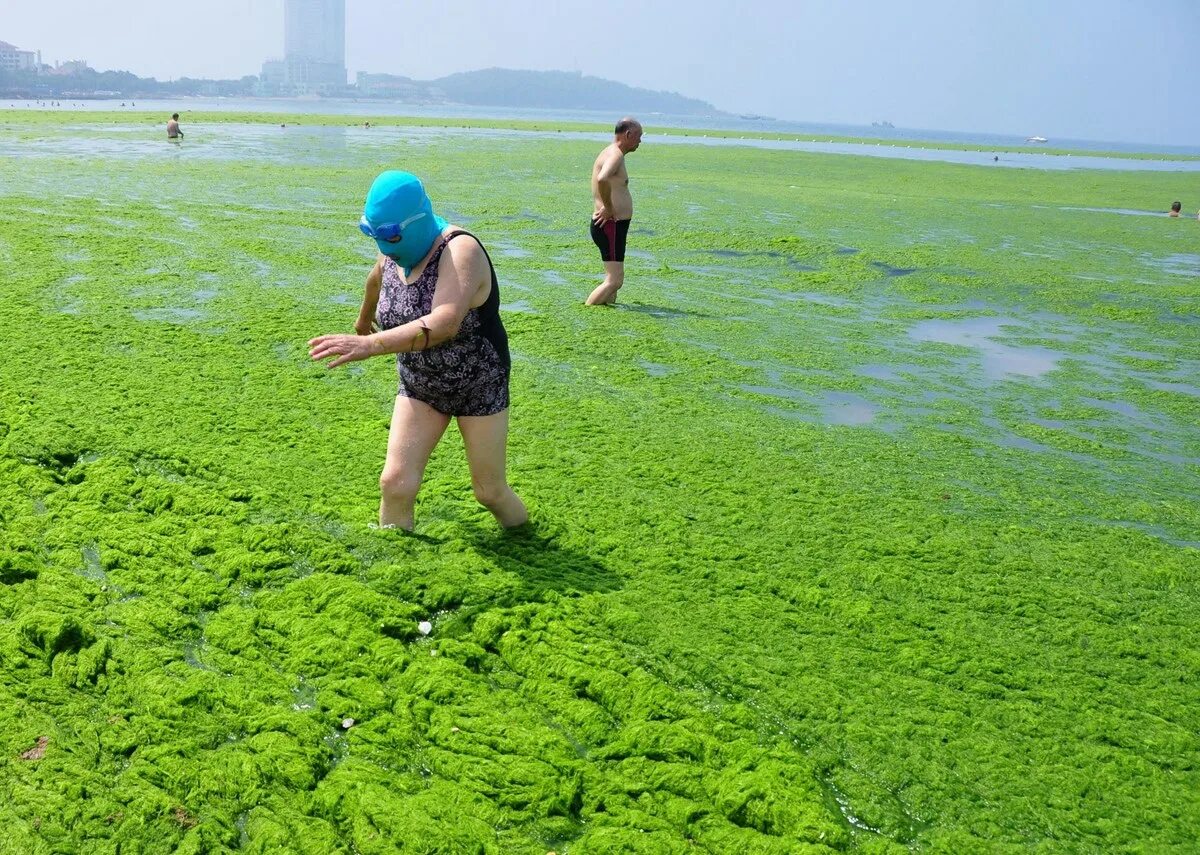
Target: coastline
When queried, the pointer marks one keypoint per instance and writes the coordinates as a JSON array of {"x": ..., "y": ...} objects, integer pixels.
[{"x": 56, "y": 116}]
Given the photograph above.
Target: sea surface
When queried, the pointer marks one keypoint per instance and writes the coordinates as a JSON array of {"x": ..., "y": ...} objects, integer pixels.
[
  {"x": 262, "y": 139},
  {"x": 716, "y": 121}
]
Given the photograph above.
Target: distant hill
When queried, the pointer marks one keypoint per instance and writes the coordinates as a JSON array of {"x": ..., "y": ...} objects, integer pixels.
[
  {"x": 491, "y": 87},
  {"x": 503, "y": 87}
]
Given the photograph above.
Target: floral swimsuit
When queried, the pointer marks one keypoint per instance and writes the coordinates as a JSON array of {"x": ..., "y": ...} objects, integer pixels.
[{"x": 465, "y": 376}]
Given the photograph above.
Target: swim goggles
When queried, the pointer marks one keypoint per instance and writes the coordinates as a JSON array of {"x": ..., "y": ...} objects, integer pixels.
[{"x": 390, "y": 232}]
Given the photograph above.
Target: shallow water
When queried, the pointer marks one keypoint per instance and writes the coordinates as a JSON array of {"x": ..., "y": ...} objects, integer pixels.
[
  {"x": 656, "y": 369},
  {"x": 521, "y": 306},
  {"x": 999, "y": 360},
  {"x": 173, "y": 314},
  {"x": 890, "y": 271},
  {"x": 1127, "y": 211},
  {"x": 1178, "y": 264},
  {"x": 316, "y": 143},
  {"x": 360, "y": 108}
]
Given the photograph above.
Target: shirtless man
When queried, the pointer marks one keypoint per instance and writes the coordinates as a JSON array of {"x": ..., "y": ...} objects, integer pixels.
[
  {"x": 1176, "y": 207},
  {"x": 173, "y": 131},
  {"x": 613, "y": 209}
]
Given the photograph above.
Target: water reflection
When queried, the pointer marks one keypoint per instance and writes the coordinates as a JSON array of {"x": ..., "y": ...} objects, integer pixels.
[
  {"x": 1179, "y": 264},
  {"x": 1127, "y": 211},
  {"x": 299, "y": 143},
  {"x": 890, "y": 271},
  {"x": 999, "y": 360}
]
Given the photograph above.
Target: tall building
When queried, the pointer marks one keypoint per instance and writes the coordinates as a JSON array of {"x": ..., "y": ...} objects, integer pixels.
[
  {"x": 314, "y": 50},
  {"x": 13, "y": 58}
]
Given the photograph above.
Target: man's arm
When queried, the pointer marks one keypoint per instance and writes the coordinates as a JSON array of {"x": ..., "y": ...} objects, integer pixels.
[{"x": 604, "y": 178}]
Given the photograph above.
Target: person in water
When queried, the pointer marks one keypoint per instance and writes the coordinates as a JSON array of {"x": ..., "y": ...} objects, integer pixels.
[
  {"x": 434, "y": 293},
  {"x": 173, "y": 131},
  {"x": 1176, "y": 207},
  {"x": 613, "y": 209}
]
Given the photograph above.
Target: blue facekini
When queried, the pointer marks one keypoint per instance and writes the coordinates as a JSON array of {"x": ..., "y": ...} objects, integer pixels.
[{"x": 400, "y": 217}]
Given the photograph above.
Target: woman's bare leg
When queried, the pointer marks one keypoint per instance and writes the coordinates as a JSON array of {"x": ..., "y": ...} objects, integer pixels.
[
  {"x": 486, "y": 441},
  {"x": 416, "y": 429}
]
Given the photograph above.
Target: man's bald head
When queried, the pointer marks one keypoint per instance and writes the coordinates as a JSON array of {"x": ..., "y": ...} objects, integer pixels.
[
  {"x": 627, "y": 124},
  {"x": 628, "y": 134}
]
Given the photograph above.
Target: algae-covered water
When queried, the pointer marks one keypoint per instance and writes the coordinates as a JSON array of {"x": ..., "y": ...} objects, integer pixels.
[{"x": 866, "y": 521}]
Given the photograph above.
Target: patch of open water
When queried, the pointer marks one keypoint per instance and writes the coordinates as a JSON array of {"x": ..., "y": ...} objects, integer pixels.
[
  {"x": 658, "y": 311},
  {"x": 170, "y": 314},
  {"x": 1177, "y": 264},
  {"x": 805, "y": 297},
  {"x": 509, "y": 249},
  {"x": 891, "y": 271},
  {"x": 1127, "y": 211},
  {"x": 1008, "y": 344},
  {"x": 999, "y": 360},
  {"x": 737, "y": 253},
  {"x": 656, "y": 369},
  {"x": 1156, "y": 531}
]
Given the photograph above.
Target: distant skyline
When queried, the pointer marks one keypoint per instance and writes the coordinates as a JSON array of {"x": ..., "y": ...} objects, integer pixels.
[{"x": 1105, "y": 69}]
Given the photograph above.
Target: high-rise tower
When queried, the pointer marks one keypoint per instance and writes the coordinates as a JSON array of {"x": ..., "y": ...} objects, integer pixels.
[{"x": 314, "y": 48}]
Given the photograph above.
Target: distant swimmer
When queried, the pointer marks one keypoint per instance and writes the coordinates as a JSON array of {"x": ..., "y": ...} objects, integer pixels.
[
  {"x": 613, "y": 209},
  {"x": 173, "y": 132},
  {"x": 1176, "y": 207}
]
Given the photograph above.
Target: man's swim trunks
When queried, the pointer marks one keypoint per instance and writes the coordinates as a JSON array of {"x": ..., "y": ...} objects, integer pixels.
[
  {"x": 610, "y": 237},
  {"x": 465, "y": 376}
]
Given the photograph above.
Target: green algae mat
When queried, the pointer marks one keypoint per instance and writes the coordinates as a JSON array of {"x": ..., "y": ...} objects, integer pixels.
[{"x": 867, "y": 521}]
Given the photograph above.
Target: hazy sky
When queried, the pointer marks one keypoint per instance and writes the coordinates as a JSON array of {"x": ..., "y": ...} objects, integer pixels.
[{"x": 1089, "y": 69}]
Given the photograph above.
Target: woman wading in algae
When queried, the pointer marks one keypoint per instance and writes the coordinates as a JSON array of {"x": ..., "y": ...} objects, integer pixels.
[{"x": 438, "y": 305}]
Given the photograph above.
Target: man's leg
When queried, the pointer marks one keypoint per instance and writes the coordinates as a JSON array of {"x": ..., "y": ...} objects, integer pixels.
[
  {"x": 486, "y": 440},
  {"x": 416, "y": 429},
  {"x": 606, "y": 292}
]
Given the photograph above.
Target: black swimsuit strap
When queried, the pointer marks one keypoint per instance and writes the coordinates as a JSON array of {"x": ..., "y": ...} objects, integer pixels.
[
  {"x": 431, "y": 267},
  {"x": 432, "y": 264},
  {"x": 457, "y": 233},
  {"x": 437, "y": 255}
]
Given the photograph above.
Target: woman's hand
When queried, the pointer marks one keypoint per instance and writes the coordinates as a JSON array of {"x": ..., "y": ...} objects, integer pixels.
[
  {"x": 345, "y": 348},
  {"x": 364, "y": 326}
]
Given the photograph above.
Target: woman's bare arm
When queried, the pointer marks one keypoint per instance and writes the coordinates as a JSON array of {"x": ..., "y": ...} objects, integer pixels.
[{"x": 365, "y": 325}]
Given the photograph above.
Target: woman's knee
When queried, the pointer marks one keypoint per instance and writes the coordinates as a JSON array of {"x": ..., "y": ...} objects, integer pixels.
[
  {"x": 489, "y": 494},
  {"x": 398, "y": 484}
]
